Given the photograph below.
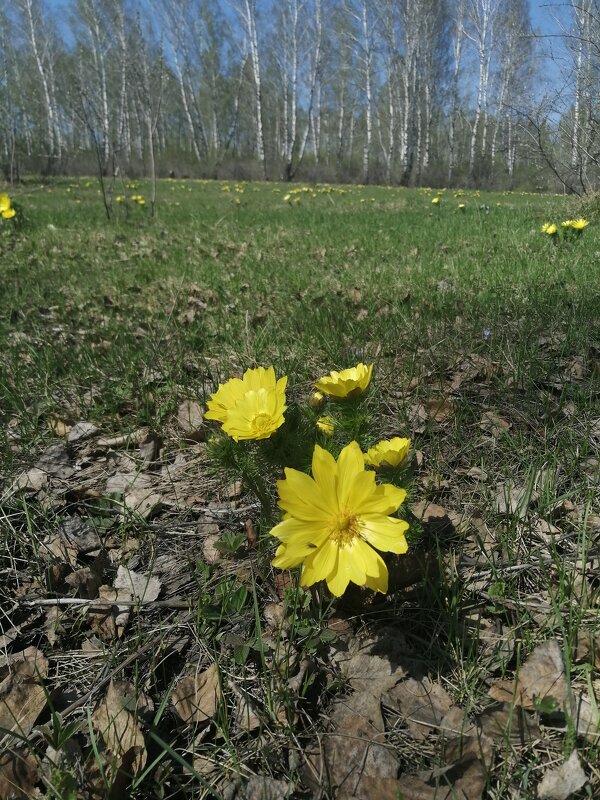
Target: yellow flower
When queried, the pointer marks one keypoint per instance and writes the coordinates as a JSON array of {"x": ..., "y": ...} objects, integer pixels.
[
  {"x": 316, "y": 400},
  {"x": 347, "y": 383},
  {"x": 250, "y": 407},
  {"x": 550, "y": 228},
  {"x": 9, "y": 213},
  {"x": 388, "y": 452},
  {"x": 461, "y": 206},
  {"x": 436, "y": 201},
  {"x": 566, "y": 224},
  {"x": 4, "y": 203},
  {"x": 579, "y": 224},
  {"x": 334, "y": 520},
  {"x": 326, "y": 425}
]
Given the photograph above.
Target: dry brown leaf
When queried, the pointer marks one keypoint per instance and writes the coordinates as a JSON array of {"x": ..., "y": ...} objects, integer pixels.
[
  {"x": 258, "y": 787},
  {"x": 33, "y": 480},
  {"x": 562, "y": 782},
  {"x": 355, "y": 756},
  {"x": 196, "y": 697},
  {"x": 142, "y": 502},
  {"x": 514, "y": 500},
  {"x": 423, "y": 704},
  {"x": 191, "y": 420},
  {"x": 58, "y": 426},
  {"x": 435, "y": 518},
  {"x": 509, "y": 723},
  {"x": 124, "y": 746},
  {"x": 375, "y": 665},
  {"x": 22, "y": 697},
  {"x": 77, "y": 533},
  {"x": 541, "y": 675},
  {"x": 52, "y": 624},
  {"x": 251, "y": 533},
  {"x": 55, "y": 546},
  {"x": 111, "y": 623},
  {"x": 56, "y": 461},
  {"x": 436, "y": 411},
  {"x": 143, "y": 588},
  {"x": 492, "y": 423},
  {"x": 81, "y": 431},
  {"x": 84, "y": 582},
  {"x": 246, "y": 715},
  {"x": 18, "y": 774},
  {"x": 439, "y": 410}
]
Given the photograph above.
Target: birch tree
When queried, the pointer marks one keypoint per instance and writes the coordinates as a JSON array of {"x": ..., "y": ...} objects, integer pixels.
[
  {"x": 482, "y": 16},
  {"x": 247, "y": 13},
  {"x": 41, "y": 43}
]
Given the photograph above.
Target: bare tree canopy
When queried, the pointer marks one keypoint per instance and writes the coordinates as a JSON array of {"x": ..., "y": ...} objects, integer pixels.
[{"x": 394, "y": 91}]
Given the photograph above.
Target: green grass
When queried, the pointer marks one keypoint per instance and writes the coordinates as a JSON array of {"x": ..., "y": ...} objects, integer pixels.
[{"x": 116, "y": 323}]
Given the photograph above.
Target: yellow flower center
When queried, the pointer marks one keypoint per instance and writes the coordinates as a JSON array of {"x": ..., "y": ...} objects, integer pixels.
[
  {"x": 262, "y": 422},
  {"x": 344, "y": 528}
]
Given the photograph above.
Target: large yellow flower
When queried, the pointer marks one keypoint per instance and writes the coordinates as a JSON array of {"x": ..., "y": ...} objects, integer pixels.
[
  {"x": 388, "y": 452},
  {"x": 335, "y": 519},
  {"x": 347, "y": 383},
  {"x": 250, "y": 407},
  {"x": 549, "y": 228},
  {"x": 9, "y": 213}
]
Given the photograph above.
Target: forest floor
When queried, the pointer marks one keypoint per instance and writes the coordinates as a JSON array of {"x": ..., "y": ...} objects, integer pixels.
[{"x": 148, "y": 647}]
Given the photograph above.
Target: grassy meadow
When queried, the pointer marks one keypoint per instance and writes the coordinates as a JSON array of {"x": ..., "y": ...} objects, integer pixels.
[{"x": 220, "y": 677}]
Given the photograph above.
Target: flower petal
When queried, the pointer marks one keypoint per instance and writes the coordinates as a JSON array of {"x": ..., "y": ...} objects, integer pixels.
[
  {"x": 353, "y": 563},
  {"x": 324, "y": 470},
  {"x": 385, "y": 533},
  {"x": 301, "y": 497},
  {"x": 350, "y": 464},
  {"x": 377, "y": 578},
  {"x": 324, "y": 559},
  {"x": 296, "y": 531},
  {"x": 385, "y": 500},
  {"x": 287, "y": 557}
]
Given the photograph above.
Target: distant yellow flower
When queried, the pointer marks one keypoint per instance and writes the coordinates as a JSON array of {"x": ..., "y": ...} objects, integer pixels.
[
  {"x": 4, "y": 203},
  {"x": 461, "y": 206},
  {"x": 347, "y": 383},
  {"x": 326, "y": 425},
  {"x": 566, "y": 224},
  {"x": 550, "y": 228},
  {"x": 9, "y": 213},
  {"x": 388, "y": 452},
  {"x": 250, "y": 407},
  {"x": 579, "y": 224},
  {"x": 335, "y": 519},
  {"x": 435, "y": 201}
]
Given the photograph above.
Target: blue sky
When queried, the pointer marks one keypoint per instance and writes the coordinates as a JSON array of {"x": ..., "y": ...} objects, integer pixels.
[{"x": 540, "y": 13}]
